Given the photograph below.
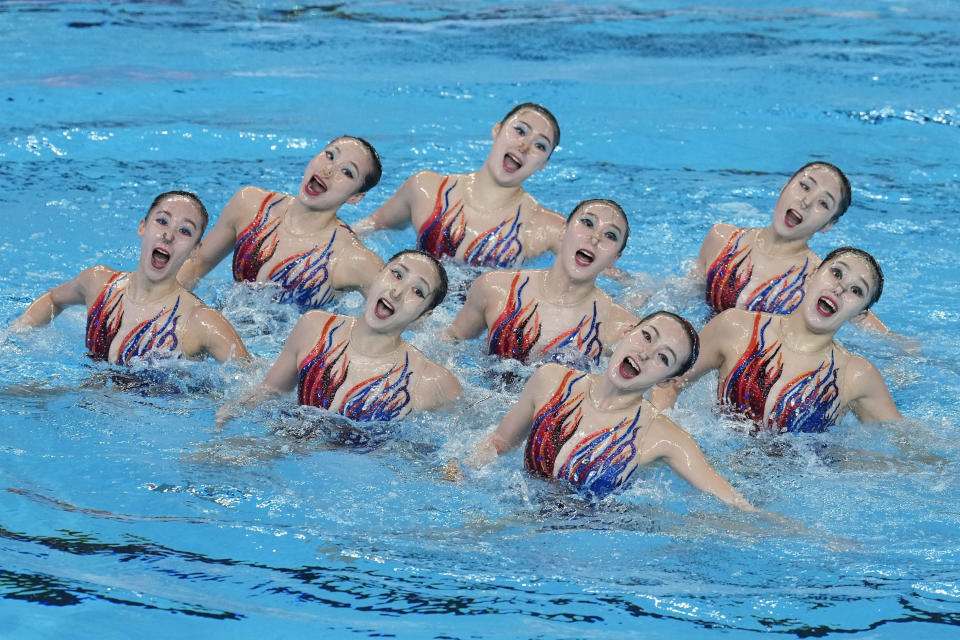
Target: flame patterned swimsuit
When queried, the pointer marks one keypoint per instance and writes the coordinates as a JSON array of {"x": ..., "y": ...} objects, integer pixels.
[
  {"x": 303, "y": 277},
  {"x": 808, "y": 403},
  {"x": 444, "y": 231},
  {"x": 324, "y": 370},
  {"x": 600, "y": 462},
  {"x": 153, "y": 338},
  {"x": 730, "y": 274},
  {"x": 517, "y": 329}
]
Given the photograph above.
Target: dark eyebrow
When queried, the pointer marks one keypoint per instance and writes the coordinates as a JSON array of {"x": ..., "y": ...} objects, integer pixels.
[
  {"x": 673, "y": 353},
  {"x": 420, "y": 278},
  {"x": 866, "y": 285},
  {"x": 530, "y": 126}
]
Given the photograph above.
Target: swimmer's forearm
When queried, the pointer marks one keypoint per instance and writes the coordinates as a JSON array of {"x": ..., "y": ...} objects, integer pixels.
[
  {"x": 41, "y": 312},
  {"x": 485, "y": 453}
]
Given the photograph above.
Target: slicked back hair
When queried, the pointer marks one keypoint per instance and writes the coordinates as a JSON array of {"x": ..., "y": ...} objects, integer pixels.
[
  {"x": 189, "y": 195},
  {"x": 542, "y": 110}
]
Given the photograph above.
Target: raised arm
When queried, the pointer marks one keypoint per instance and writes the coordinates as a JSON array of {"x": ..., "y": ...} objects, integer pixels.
[
  {"x": 222, "y": 238},
  {"x": 678, "y": 449},
  {"x": 471, "y": 319},
  {"x": 49, "y": 305}
]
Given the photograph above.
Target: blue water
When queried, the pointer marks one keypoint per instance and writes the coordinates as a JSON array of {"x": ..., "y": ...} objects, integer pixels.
[{"x": 123, "y": 511}]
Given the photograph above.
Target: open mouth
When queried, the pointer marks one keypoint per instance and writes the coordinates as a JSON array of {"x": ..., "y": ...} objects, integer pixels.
[
  {"x": 315, "y": 186},
  {"x": 826, "y": 306},
  {"x": 629, "y": 368},
  {"x": 159, "y": 258},
  {"x": 383, "y": 309},
  {"x": 792, "y": 218},
  {"x": 584, "y": 258},
  {"x": 512, "y": 163}
]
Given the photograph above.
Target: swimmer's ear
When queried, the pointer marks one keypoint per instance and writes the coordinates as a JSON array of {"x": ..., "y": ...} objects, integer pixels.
[
  {"x": 827, "y": 226},
  {"x": 666, "y": 383},
  {"x": 355, "y": 198},
  {"x": 141, "y": 227},
  {"x": 496, "y": 129}
]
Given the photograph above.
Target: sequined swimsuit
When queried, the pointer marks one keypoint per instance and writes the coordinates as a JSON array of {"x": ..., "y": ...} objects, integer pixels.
[
  {"x": 443, "y": 233},
  {"x": 600, "y": 462},
  {"x": 809, "y": 402},
  {"x": 152, "y": 338},
  {"x": 303, "y": 277},
  {"x": 324, "y": 370},
  {"x": 730, "y": 274},
  {"x": 517, "y": 329}
]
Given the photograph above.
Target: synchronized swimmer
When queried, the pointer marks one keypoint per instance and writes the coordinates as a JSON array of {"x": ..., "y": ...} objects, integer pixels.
[
  {"x": 778, "y": 308},
  {"x": 154, "y": 316},
  {"x": 360, "y": 367},
  {"x": 296, "y": 242},
  {"x": 786, "y": 373},
  {"x": 767, "y": 269},
  {"x": 484, "y": 218},
  {"x": 558, "y": 313}
]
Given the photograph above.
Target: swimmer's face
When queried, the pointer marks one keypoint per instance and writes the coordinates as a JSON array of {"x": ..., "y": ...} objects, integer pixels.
[
  {"x": 521, "y": 146},
  {"x": 401, "y": 293},
  {"x": 650, "y": 354},
  {"x": 592, "y": 240},
  {"x": 170, "y": 234},
  {"x": 839, "y": 290},
  {"x": 808, "y": 203},
  {"x": 335, "y": 175}
]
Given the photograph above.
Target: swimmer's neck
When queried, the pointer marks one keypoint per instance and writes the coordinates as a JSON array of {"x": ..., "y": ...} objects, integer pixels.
[
  {"x": 143, "y": 291},
  {"x": 483, "y": 194},
  {"x": 605, "y": 396},
  {"x": 768, "y": 242},
  {"x": 559, "y": 288},
  {"x": 374, "y": 344},
  {"x": 302, "y": 220},
  {"x": 796, "y": 336}
]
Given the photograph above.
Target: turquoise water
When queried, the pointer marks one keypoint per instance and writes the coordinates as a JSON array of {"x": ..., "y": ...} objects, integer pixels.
[{"x": 125, "y": 510}]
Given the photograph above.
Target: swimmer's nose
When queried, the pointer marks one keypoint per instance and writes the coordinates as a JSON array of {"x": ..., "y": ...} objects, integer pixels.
[{"x": 326, "y": 171}]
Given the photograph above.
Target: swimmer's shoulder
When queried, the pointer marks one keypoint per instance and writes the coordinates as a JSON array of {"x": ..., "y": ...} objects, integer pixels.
[
  {"x": 245, "y": 203},
  {"x": 91, "y": 281},
  {"x": 439, "y": 386},
  {"x": 714, "y": 242}
]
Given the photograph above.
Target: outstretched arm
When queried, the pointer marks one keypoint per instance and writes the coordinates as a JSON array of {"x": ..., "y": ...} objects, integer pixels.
[
  {"x": 679, "y": 450},
  {"x": 49, "y": 305}
]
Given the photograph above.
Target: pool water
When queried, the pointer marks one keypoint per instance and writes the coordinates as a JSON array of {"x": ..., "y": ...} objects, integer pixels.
[{"x": 123, "y": 510}]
